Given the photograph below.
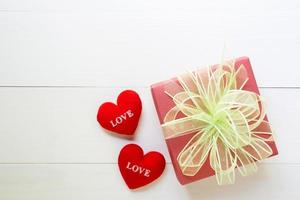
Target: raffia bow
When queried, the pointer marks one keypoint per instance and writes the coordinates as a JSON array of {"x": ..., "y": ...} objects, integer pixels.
[{"x": 228, "y": 122}]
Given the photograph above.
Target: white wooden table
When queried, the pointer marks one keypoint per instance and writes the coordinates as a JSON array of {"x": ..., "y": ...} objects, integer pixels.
[{"x": 59, "y": 59}]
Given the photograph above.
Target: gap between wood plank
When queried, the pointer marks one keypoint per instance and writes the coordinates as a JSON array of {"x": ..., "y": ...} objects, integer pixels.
[
  {"x": 146, "y": 87},
  {"x": 167, "y": 163}
]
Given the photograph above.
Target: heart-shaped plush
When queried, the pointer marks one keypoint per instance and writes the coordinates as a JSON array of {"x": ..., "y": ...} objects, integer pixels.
[
  {"x": 122, "y": 118},
  {"x": 138, "y": 169}
]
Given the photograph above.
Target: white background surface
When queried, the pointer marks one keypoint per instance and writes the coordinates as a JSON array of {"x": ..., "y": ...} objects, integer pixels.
[{"x": 60, "y": 59}]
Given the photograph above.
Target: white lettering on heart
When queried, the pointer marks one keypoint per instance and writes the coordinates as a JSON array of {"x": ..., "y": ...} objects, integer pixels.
[
  {"x": 120, "y": 119},
  {"x": 138, "y": 169}
]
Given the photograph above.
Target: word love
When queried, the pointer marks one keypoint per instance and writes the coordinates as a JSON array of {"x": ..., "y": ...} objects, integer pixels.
[
  {"x": 138, "y": 169},
  {"x": 122, "y": 117},
  {"x": 119, "y": 120}
]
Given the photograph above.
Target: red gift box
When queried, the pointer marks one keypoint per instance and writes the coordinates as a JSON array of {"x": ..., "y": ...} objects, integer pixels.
[{"x": 164, "y": 103}]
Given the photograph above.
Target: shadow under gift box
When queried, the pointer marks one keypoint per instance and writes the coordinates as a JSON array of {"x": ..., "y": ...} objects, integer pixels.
[{"x": 164, "y": 103}]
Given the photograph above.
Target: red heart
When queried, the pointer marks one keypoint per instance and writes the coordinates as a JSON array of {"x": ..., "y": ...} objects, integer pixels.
[
  {"x": 138, "y": 169},
  {"x": 122, "y": 118}
]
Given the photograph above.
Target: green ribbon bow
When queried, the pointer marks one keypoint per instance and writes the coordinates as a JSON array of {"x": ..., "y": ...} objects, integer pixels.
[{"x": 228, "y": 122}]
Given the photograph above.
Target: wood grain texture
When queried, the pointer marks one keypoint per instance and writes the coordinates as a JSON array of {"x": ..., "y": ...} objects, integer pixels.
[
  {"x": 58, "y": 125},
  {"x": 60, "y": 59},
  {"x": 103, "y": 181},
  {"x": 54, "y": 44}
]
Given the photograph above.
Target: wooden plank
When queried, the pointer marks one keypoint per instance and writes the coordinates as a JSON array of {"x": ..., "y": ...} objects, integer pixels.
[
  {"x": 48, "y": 182},
  {"x": 119, "y": 5},
  {"x": 58, "y": 125},
  {"x": 139, "y": 44}
]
